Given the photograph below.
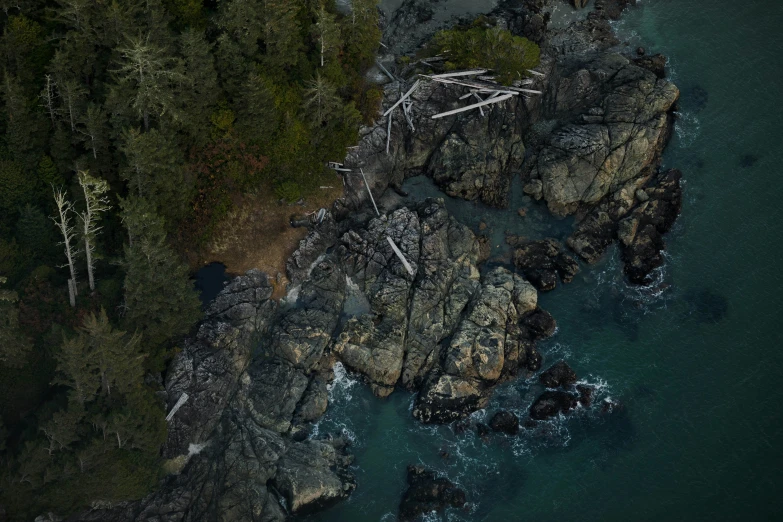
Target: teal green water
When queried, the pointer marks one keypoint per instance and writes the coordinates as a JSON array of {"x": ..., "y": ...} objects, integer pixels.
[{"x": 698, "y": 366}]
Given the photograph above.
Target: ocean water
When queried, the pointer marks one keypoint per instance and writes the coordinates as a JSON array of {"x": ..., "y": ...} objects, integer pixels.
[{"x": 696, "y": 362}]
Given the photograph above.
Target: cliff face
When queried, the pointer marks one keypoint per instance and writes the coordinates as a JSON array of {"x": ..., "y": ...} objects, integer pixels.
[{"x": 256, "y": 373}]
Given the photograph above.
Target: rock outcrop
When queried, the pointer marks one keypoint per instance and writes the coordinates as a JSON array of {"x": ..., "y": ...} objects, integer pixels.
[
  {"x": 543, "y": 261},
  {"x": 427, "y": 493},
  {"x": 490, "y": 345},
  {"x": 505, "y": 422}
]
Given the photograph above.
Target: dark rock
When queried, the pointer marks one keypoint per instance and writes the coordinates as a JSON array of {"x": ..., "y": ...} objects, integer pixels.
[
  {"x": 539, "y": 324},
  {"x": 579, "y": 4},
  {"x": 640, "y": 51},
  {"x": 542, "y": 261},
  {"x": 552, "y": 403},
  {"x": 426, "y": 493},
  {"x": 559, "y": 375},
  {"x": 482, "y": 430},
  {"x": 505, "y": 422},
  {"x": 641, "y": 233},
  {"x": 585, "y": 394},
  {"x": 655, "y": 63}
]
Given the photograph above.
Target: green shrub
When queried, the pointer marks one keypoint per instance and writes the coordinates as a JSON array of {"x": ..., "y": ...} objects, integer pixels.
[
  {"x": 492, "y": 48},
  {"x": 289, "y": 191}
]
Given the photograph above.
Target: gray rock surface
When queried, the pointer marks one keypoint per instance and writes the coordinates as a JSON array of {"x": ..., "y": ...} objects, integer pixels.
[{"x": 474, "y": 361}]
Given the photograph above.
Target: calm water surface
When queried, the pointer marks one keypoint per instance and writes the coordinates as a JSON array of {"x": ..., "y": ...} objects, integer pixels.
[{"x": 698, "y": 366}]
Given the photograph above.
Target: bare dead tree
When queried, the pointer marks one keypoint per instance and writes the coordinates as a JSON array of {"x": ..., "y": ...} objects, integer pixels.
[
  {"x": 63, "y": 221},
  {"x": 95, "y": 202},
  {"x": 48, "y": 96}
]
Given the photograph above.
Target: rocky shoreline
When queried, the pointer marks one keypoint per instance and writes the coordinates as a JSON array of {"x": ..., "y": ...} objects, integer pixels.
[{"x": 256, "y": 371}]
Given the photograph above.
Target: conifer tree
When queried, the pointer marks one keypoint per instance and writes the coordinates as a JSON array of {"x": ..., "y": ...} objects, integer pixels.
[
  {"x": 92, "y": 128},
  {"x": 321, "y": 99},
  {"x": 160, "y": 300},
  {"x": 200, "y": 94},
  {"x": 14, "y": 344},
  {"x": 282, "y": 32},
  {"x": 326, "y": 33},
  {"x": 155, "y": 170},
  {"x": 34, "y": 233},
  {"x": 75, "y": 369},
  {"x": 151, "y": 75}
]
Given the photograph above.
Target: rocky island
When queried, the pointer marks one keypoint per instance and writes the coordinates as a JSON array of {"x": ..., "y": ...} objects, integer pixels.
[{"x": 460, "y": 322}]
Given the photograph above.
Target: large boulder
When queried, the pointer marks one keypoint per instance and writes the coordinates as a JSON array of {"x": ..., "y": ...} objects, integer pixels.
[
  {"x": 552, "y": 403},
  {"x": 505, "y": 422},
  {"x": 559, "y": 375}
]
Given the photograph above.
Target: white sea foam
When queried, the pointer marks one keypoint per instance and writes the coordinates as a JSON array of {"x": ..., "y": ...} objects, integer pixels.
[
  {"x": 340, "y": 388},
  {"x": 688, "y": 128}
]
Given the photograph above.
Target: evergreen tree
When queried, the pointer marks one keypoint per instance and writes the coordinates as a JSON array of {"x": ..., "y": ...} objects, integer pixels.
[
  {"x": 259, "y": 117},
  {"x": 155, "y": 170},
  {"x": 151, "y": 75},
  {"x": 243, "y": 22},
  {"x": 24, "y": 130},
  {"x": 160, "y": 301},
  {"x": 115, "y": 355},
  {"x": 75, "y": 369},
  {"x": 283, "y": 41},
  {"x": 17, "y": 188},
  {"x": 34, "y": 233},
  {"x": 200, "y": 95},
  {"x": 326, "y": 33},
  {"x": 92, "y": 128},
  {"x": 320, "y": 99},
  {"x": 14, "y": 344}
]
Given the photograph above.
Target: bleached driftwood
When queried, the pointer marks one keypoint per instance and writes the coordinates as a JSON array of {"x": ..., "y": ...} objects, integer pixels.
[
  {"x": 182, "y": 400},
  {"x": 536, "y": 73},
  {"x": 403, "y": 97},
  {"x": 407, "y": 110},
  {"x": 397, "y": 251},
  {"x": 367, "y": 186},
  {"x": 482, "y": 86},
  {"x": 388, "y": 134},
  {"x": 390, "y": 75},
  {"x": 480, "y": 99},
  {"x": 473, "y": 72},
  {"x": 501, "y": 98}
]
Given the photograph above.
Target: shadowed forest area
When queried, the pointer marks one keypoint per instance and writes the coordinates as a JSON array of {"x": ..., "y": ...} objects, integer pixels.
[{"x": 132, "y": 130}]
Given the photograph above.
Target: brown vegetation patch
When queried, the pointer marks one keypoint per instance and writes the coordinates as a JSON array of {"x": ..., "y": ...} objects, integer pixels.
[{"x": 257, "y": 233}]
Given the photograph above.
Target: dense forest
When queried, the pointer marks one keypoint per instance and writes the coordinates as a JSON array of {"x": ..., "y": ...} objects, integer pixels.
[{"x": 130, "y": 128}]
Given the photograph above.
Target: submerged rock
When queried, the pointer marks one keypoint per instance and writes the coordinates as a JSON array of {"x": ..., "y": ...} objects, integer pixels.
[{"x": 427, "y": 493}]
